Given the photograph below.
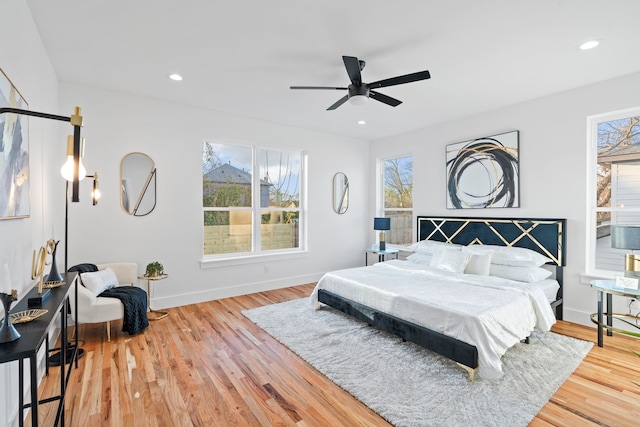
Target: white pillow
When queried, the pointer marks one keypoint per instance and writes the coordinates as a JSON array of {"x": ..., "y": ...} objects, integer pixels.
[
  {"x": 433, "y": 246},
  {"x": 99, "y": 281},
  {"x": 520, "y": 274},
  {"x": 479, "y": 264},
  {"x": 517, "y": 257},
  {"x": 420, "y": 258},
  {"x": 452, "y": 260}
]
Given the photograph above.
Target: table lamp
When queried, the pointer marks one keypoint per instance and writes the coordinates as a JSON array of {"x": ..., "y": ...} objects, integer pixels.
[
  {"x": 382, "y": 224},
  {"x": 627, "y": 237}
]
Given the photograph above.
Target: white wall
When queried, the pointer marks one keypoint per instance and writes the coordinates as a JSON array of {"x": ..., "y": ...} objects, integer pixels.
[
  {"x": 24, "y": 60},
  {"x": 552, "y": 166},
  {"x": 116, "y": 124}
]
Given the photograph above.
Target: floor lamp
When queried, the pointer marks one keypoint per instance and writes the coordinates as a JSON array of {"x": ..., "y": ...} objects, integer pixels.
[{"x": 75, "y": 142}]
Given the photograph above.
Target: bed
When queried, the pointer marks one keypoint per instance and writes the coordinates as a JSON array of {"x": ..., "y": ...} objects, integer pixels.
[{"x": 471, "y": 316}]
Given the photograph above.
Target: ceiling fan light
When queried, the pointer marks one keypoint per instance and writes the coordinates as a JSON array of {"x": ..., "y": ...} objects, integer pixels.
[{"x": 358, "y": 99}]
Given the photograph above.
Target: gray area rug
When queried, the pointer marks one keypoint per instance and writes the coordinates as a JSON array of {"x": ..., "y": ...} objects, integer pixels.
[{"x": 410, "y": 386}]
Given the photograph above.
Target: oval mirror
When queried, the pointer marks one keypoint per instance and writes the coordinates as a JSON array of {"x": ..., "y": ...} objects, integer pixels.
[
  {"x": 137, "y": 184},
  {"x": 340, "y": 193}
]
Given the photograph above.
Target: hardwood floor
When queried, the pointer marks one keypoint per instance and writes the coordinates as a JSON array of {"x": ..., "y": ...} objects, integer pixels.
[{"x": 207, "y": 365}]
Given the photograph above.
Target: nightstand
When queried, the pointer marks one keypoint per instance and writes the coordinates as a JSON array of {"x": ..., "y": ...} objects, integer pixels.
[
  {"x": 382, "y": 255},
  {"x": 609, "y": 288}
]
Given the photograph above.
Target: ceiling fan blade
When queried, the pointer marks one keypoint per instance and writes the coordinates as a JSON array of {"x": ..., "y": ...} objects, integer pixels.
[
  {"x": 384, "y": 98},
  {"x": 317, "y": 87},
  {"x": 352, "y": 65},
  {"x": 407, "y": 78},
  {"x": 339, "y": 103}
]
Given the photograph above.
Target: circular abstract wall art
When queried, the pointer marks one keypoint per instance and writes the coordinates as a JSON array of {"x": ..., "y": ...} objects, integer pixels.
[{"x": 483, "y": 173}]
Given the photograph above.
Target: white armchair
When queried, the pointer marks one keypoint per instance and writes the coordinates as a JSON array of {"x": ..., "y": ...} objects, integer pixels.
[{"x": 95, "y": 309}]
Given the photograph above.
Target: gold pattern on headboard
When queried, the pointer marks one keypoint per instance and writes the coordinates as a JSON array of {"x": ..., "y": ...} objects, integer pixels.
[{"x": 545, "y": 236}]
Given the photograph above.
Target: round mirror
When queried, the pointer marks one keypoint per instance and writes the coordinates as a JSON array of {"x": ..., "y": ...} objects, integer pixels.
[
  {"x": 137, "y": 184},
  {"x": 340, "y": 193}
]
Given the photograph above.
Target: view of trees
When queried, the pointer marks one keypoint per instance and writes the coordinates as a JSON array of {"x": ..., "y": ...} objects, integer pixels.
[{"x": 398, "y": 183}]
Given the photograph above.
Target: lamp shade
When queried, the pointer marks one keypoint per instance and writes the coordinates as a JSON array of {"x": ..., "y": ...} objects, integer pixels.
[
  {"x": 382, "y": 223},
  {"x": 625, "y": 236}
]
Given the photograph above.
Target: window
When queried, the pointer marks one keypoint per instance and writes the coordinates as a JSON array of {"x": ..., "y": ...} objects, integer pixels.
[
  {"x": 246, "y": 212},
  {"x": 614, "y": 195},
  {"x": 397, "y": 197}
]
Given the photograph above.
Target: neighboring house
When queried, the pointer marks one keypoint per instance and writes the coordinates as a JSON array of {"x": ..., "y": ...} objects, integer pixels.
[
  {"x": 624, "y": 166},
  {"x": 225, "y": 175}
]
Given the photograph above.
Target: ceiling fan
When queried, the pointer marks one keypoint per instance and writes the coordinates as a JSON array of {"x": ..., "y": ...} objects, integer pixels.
[{"x": 360, "y": 91}]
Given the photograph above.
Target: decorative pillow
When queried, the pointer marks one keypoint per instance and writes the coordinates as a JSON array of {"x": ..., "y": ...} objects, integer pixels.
[
  {"x": 520, "y": 274},
  {"x": 420, "y": 258},
  {"x": 479, "y": 264},
  {"x": 517, "y": 257},
  {"x": 432, "y": 246},
  {"x": 452, "y": 260},
  {"x": 99, "y": 281}
]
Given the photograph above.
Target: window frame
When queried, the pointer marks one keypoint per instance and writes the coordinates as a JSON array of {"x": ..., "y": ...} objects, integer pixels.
[
  {"x": 257, "y": 254},
  {"x": 591, "y": 269}
]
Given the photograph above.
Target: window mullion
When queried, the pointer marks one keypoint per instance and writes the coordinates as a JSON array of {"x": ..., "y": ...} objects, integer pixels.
[{"x": 255, "y": 202}]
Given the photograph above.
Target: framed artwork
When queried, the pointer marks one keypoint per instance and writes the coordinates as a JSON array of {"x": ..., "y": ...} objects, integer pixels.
[
  {"x": 14, "y": 153},
  {"x": 483, "y": 173}
]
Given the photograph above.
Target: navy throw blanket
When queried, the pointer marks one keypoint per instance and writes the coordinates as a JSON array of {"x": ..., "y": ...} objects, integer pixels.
[{"x": 134, "y": 301}]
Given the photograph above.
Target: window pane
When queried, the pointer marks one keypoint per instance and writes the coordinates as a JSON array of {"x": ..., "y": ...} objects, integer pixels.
[
  {"x": 280, "y": 229},
  {"x": 401, "y": 227},
  {"x": 279, "y": 179},
  {"x": 398, "y": 183},
  {"x": 226, "y": 175},
  {"x": 227, "y": 232}
]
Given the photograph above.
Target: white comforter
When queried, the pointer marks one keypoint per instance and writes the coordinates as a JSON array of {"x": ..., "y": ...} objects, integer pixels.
[{"x": 488, "y": 312}]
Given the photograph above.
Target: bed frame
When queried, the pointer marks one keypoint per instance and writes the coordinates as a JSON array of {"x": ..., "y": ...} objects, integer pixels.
[{"x": 545, "y": 236}]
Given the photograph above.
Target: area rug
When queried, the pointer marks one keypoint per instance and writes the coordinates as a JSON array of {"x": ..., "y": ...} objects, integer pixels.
[{"x": 410, "y": 386}]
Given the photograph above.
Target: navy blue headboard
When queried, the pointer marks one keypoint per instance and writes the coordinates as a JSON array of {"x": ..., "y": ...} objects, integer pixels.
[{"x": 543, "y": 235}]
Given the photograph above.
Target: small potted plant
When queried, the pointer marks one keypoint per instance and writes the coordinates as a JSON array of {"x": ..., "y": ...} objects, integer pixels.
[{"x": 154, "y": 269}]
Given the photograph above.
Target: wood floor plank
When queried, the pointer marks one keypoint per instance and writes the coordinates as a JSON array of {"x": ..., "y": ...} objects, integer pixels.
[{"x": 208, "y": 365}]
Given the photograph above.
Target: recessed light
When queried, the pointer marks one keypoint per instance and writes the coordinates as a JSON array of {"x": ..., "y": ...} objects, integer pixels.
[
  {"x": 362, "y": 122},
  {"x": 589, "y": 45},
  {"x": 176, "y": 77}
]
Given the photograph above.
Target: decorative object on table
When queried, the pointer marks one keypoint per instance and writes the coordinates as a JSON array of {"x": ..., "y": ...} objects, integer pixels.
[
  {"x": 54, "y": 276},
  {"x": 484, "y": 173},
  {"x": 27, "y": 316},
  {"x": 38, "y": 263},
  {"x": 382, "y": 224},
  {"x": 154, "y": 269},
  {"x": 7, "y": 332},
  {"x": 14, "y": 144},
  {"x": 627, "y": 237}
]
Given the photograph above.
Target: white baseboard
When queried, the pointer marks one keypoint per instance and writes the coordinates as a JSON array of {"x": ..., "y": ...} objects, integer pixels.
[{"x": 232, "y": 291}]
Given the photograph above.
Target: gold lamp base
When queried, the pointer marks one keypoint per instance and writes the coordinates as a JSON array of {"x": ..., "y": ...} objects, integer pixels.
[
  {"x": 632, "y": 262},
  {"x": 632, "y": 265}
]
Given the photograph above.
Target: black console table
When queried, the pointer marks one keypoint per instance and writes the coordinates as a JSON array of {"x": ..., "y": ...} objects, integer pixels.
[{"x": 32, "y": 336}]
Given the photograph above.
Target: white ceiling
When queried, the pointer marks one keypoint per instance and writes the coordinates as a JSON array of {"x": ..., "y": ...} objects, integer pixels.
[{"x": 241, "y": 56}]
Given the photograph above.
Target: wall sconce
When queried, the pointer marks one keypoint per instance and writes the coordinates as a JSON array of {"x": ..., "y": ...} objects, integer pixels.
[
  {"x": 95, "y": 192},
  {"x": 382, "y": 224},
  {"x": 627, "y": 237}
]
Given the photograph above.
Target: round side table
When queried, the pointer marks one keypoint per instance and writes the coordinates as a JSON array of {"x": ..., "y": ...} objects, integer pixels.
[{"x": 154, "y": 314}]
